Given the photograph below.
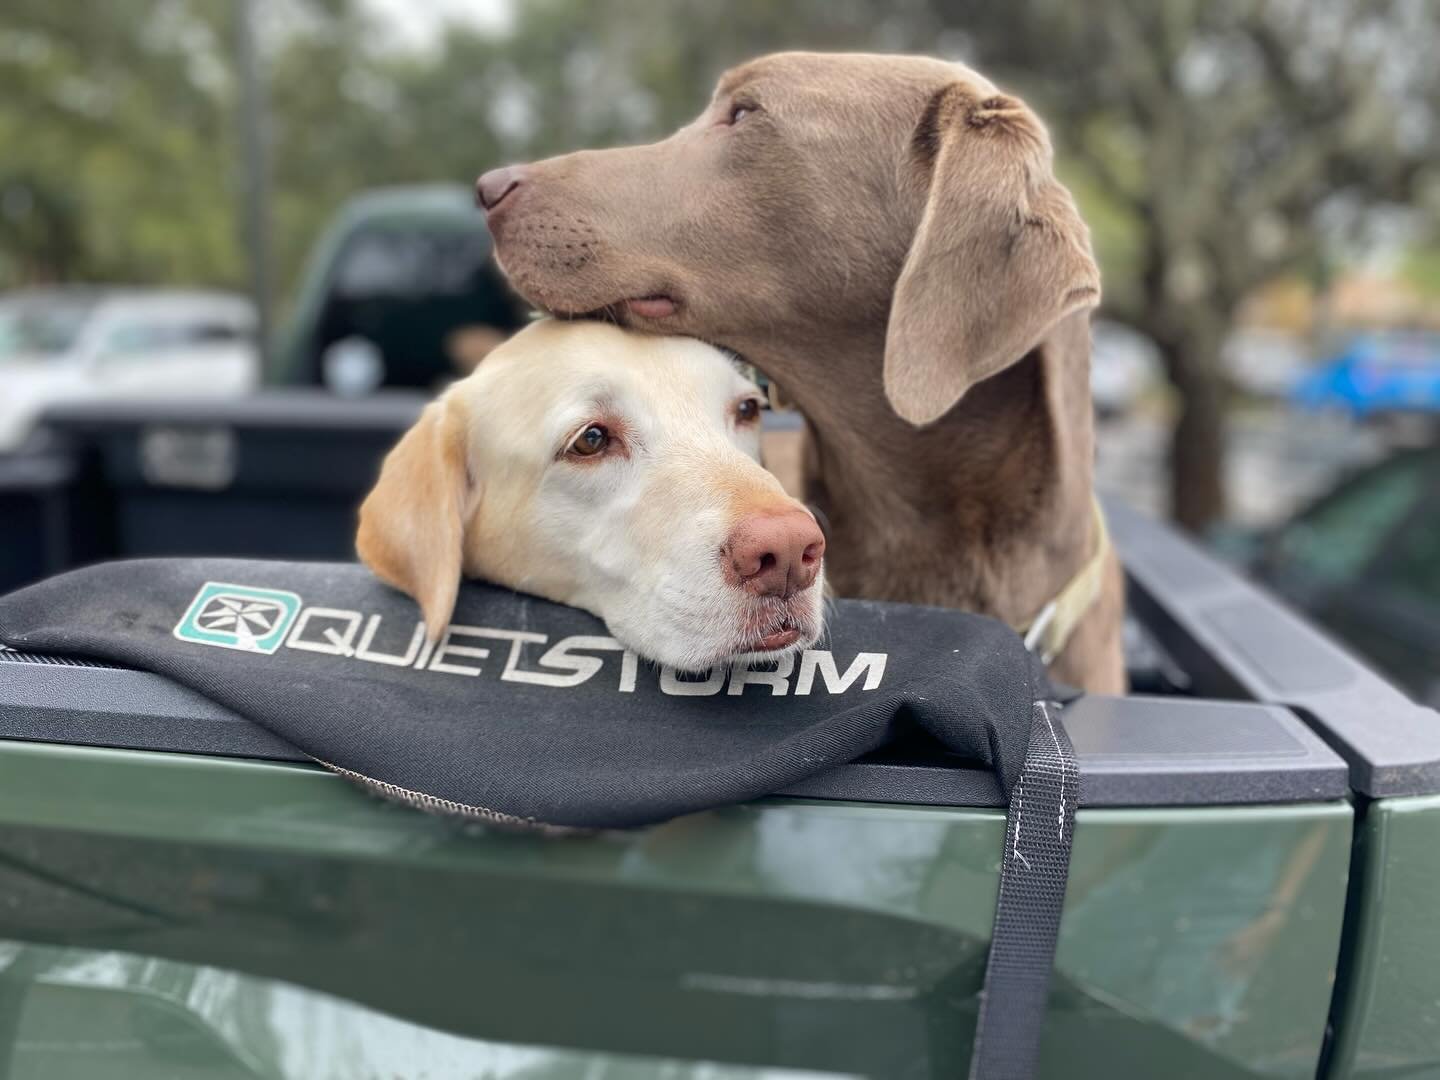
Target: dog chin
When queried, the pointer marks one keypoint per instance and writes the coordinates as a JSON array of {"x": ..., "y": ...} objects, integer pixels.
[
  {"x": 748, "y": 645},
  {"x": 761, "y": 656},
  {"x": 561, "y": 298},
  {"x": 700, "y": 657},
  {"x": 706, "y": 651}
]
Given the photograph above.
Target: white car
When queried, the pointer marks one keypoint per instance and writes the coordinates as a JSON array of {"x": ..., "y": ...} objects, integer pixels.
[{"x": 81, "y": 344}]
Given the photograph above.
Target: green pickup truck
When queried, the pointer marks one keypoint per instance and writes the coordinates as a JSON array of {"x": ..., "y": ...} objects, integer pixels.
[{"x": 1252, "y": 890}]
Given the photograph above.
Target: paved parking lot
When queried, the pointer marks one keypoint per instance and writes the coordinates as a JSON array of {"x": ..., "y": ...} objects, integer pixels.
[{"x": 1278, "y": 461}]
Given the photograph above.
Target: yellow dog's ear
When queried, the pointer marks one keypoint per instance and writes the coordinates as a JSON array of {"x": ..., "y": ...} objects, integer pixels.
[
  {"x": 999, "y": 257},
  {"x": 412, "y": 524}
]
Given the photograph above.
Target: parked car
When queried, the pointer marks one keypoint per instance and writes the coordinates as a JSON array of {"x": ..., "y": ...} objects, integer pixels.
[
  {"x": 1364, "y": 561},
  {"x": 76, "y": 344},
  {"x": 401, "y": 291},
  {"x": 1376, "y": 374}
]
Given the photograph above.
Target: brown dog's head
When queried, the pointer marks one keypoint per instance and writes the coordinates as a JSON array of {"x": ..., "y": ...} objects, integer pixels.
[{"x": 815, "y": 194}]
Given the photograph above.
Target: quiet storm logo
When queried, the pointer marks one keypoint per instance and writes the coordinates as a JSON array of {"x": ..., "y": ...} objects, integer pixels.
[{"x": 258, "y": 620}]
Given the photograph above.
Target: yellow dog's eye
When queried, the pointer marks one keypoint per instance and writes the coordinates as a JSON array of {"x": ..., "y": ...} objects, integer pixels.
[
  {"x": 747, "y": 411},
  {"x": 590, "y": 442}
]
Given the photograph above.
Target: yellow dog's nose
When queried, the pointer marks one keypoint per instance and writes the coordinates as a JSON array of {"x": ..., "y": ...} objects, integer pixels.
[{"x": 775, "y": 554}]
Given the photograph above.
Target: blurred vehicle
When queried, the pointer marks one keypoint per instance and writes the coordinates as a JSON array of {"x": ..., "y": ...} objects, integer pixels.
[
  {"x": 75, "y": 344},
  {"x": 401, "y": 291},
  {"x": 1377, "y": 374},
  {"x": 1364, "y": 561},
  {"x": 1266, "y": 363},
  {"x": 1123, "y": 365}
]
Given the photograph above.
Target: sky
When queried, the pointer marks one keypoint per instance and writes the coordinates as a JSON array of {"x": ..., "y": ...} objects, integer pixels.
[{"x": 418, "y": 22}]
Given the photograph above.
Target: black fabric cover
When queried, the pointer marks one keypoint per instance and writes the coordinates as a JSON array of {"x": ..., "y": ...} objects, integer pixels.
[{"x": 612, "y": 750}]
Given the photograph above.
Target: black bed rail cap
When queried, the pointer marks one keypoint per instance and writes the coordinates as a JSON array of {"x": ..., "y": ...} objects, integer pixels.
[
  {"x": 387, "y": 412},
  {"x": 1133, "y": 751},
  {"x": 1235, "y": 639}
]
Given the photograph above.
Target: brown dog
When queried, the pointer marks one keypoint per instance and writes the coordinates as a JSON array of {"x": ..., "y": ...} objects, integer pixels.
[{"x": 884, "y": 236}]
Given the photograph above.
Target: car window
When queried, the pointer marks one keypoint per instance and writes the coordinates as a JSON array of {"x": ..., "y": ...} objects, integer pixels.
[
  {"x": 41, "y": 329},
  {"x": 389, "y": 262},
  {"x": 1334, "y": 542},
  {"x": 140, "y": 336},
  {"x": 1412, "y": 562}
]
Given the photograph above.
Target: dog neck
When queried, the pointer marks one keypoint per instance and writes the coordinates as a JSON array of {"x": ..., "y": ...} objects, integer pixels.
[{"x": 988, "y": 509}]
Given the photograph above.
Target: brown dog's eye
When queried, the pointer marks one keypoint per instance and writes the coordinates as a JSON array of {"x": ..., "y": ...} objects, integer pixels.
[
  {"x": 747, "y": 411},
  {"x": 590, "y": 442},
  {"x": 738, "y": 112}
]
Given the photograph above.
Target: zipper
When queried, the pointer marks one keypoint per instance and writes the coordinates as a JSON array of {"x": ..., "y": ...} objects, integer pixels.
[{"x": 432, "y": 804}]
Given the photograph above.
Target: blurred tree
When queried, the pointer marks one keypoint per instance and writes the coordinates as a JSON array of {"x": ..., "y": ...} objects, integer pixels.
[
  {"x": 38, "y": 228},
  {"x": 115, "y": 166},
  {"x": 122, "y": 143},
  {"x": 1236, "y": 138},
  {"x": 586, "y": 74},
  {"x": 1213, "y": 146},
  {"x": 1421, "y": 268}
]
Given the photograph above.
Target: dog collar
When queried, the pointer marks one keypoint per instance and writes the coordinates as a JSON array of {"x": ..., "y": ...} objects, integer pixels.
[{"x": 1049, "y": 631}]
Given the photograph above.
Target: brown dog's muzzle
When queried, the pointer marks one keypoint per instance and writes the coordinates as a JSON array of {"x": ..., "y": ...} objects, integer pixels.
[{"x": 584, "y": 233}]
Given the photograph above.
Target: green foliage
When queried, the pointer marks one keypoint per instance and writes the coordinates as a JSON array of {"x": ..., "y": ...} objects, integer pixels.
[
  {"x": 114, "y": 168},
  {"x": 1421, "y": 268},
  {"x": 119, "y": 118}
]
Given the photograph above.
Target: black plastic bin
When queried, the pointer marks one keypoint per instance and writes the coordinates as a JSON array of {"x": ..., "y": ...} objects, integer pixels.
[
  {"x": 279, "y": 474},
  {"x": 37, "y": 516}
]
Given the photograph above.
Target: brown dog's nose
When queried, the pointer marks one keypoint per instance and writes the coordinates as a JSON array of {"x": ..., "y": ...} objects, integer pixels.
[
  {"x": 493, "y": 186},
  {"x": 775, "y": 554}
]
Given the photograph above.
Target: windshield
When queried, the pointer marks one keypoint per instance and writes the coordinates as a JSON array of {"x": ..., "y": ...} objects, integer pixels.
[
  {"x": 36, "y": 329},
  {"x": 394, "y": 262}
]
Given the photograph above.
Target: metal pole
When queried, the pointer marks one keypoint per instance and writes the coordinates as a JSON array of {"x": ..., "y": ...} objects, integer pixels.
[{"x": 256, "y": 171}]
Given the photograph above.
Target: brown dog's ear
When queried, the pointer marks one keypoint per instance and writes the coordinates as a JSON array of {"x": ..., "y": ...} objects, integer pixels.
[
  {"x": 1000, "y": 255},
  {"x": 413, "y": 523}
]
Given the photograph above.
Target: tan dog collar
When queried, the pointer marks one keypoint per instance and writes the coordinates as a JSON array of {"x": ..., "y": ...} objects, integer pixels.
[{"x": 1048, "y": 632}]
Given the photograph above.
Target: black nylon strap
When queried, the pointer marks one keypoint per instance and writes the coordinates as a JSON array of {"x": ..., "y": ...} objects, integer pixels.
[{"x": 1039, "y": 828}]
